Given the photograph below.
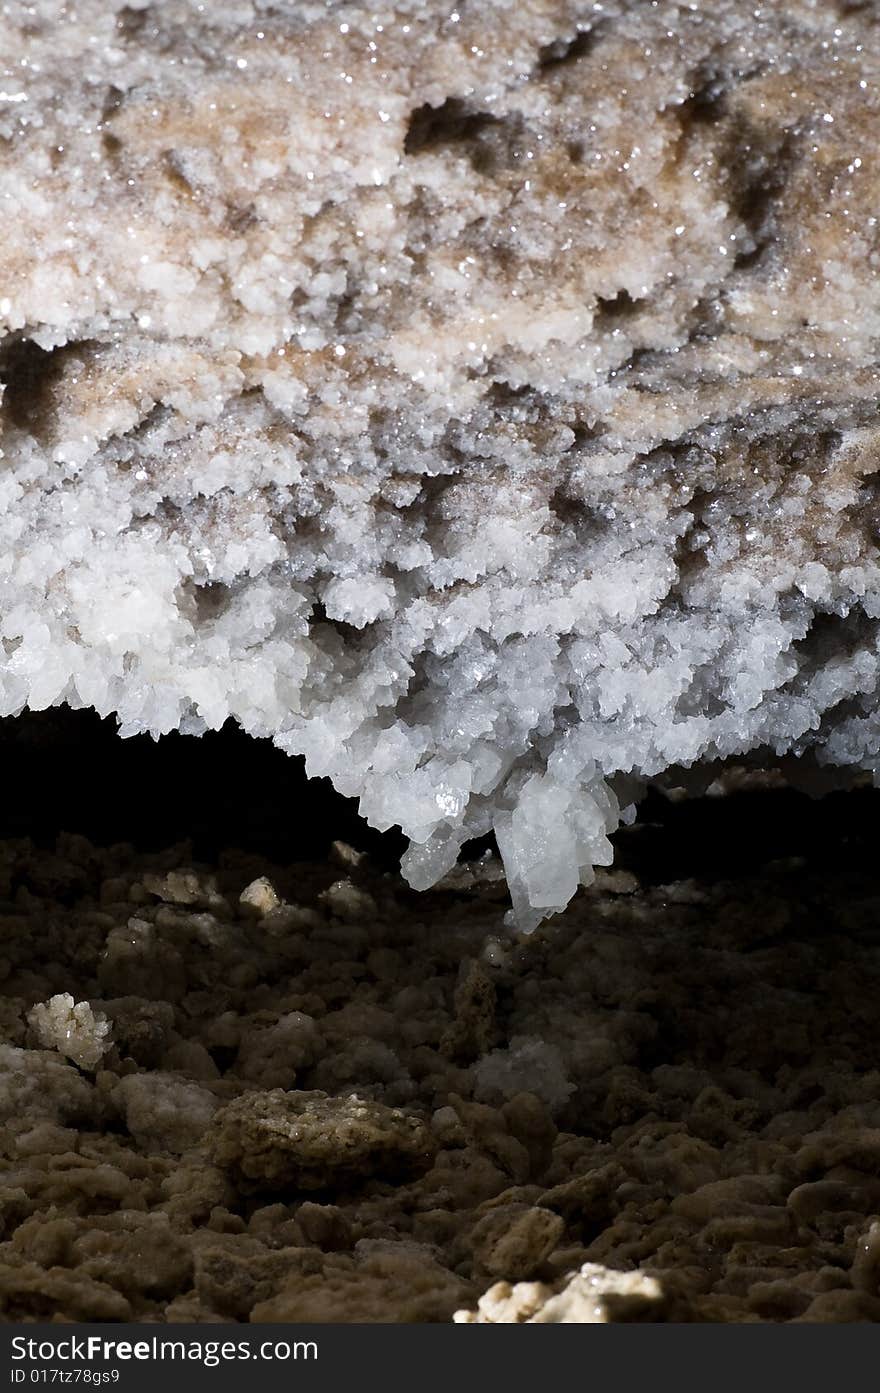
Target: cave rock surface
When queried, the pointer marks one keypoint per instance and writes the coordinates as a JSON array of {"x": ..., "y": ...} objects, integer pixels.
[{"x": 479, "y": 402}]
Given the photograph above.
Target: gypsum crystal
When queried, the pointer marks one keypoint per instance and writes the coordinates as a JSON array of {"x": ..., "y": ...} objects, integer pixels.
[{"x": 479, "y": 402}]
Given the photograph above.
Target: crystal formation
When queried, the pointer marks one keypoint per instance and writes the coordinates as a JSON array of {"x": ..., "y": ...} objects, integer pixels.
[{"x": 479, "y": 401}]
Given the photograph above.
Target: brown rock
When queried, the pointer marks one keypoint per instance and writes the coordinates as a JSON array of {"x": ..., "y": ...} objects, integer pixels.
[
  {"x": 310, "y": 1141},
  {"x": 400, "y": 1284},
  {"x": 513, "y": 1240}
]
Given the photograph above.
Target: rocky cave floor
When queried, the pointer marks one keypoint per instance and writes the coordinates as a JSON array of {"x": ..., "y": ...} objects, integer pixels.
[{"x": 682, "y": 1078}]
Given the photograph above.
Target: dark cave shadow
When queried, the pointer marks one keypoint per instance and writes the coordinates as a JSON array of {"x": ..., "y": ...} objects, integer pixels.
[{"x": 67, "y": 771}]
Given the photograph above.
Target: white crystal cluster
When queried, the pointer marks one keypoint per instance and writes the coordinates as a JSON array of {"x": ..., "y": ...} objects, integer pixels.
[
  {"x": 590, "y": 1296},
  {"x": 480, "y": 401},
  {"x": 72, "y": 1028}
]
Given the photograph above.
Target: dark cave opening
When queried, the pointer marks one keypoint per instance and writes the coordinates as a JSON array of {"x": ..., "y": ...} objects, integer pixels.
[{"x": 68, "y": 771}]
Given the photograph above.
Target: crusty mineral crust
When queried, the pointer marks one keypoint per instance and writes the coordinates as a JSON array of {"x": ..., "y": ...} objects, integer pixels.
[
  {"x": 480, "y": 402},
  {"x": 309, "y": 1141}
]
